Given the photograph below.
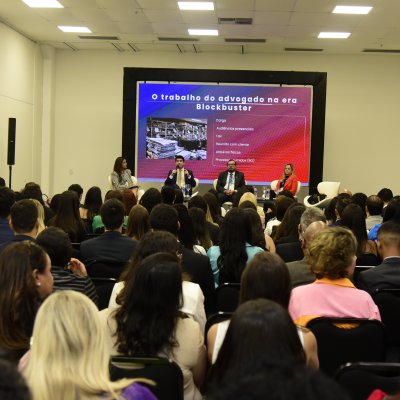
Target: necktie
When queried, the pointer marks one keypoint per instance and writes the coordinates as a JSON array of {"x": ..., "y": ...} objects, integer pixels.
[
  {"x": 180, "y": 177},
  {"x": 230, "y": 182}
]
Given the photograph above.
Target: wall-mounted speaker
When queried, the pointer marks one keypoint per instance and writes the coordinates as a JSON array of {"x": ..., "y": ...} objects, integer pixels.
[{"x": 12, "y": 122}]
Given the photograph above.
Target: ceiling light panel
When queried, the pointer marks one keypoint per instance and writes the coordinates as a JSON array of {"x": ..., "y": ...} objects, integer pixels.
[
  {"x": 43, "y": 3},
  {"x": 75, "y": 29},
  {"x": 203, "y": 32},
  {"x": 351, "y": 10},
  {"x": 334, "y": 35},
  {"x": 196, "y": 5}
]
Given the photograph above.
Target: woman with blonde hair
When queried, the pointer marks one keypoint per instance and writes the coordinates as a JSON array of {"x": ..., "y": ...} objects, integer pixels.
[
  {"x": 41, "y": 217},
  {"x": 69, "y": 358}
]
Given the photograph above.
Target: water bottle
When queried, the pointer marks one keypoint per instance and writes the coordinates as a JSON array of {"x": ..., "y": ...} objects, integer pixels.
[{"x": 255, "y": 191}]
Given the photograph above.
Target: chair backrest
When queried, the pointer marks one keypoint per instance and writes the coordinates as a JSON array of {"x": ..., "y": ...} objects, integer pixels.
[
  {"x": 298, "y": 188},
  {"x": 197, "y": 184},
  {"x": 105, "y": 269},
  {"x": 110, "y": 185},
  {"x": 330, "y": 189},
  {"x": 364, "y": 341},
  {"x": 357, "y": 270},
  {"x": 215, "y": 184},
  {"x": 360, "y": 379},
  {"x": 388, "y": 302},
  {"x": 104, "y": 287},
  {"x": 227, "y": 297},
  {"x": 166, "y": 374},
  {"x": 216, "y": 319},
  {"x": 290, "y": 251},
  {"x": 274, "y": 184}
]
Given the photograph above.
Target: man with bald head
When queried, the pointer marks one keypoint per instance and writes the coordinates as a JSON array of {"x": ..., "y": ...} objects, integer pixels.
[
  {"x": 387, "y": 274},
  {"x": 312, "y": 222}
]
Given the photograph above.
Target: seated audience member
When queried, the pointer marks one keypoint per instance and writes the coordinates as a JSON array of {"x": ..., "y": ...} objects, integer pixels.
[
  {"x": 54, "y": 202},
  {"x": 202, "y": 235},
  {"x": 23, "y": 221},
  {"x": 111, "y": 245},
  {"x": 67, "y": 217},
  {"x": 149, "y": 322},
  {"x": 7, "y": 199},
  {"x": 121, "y": 177},
  {"x": 75, "y": 187},
  {"x": 178, "y": 196},
  {"x": 168, "y": 194},
  {"x": 260, "y": 331},
  {"x": 186, "y": 235},
  {"x": 332, "y": 257},
  {"x": 91, "y": 207},
  {"x": 258, "y": 237},
  {"x": 229, "y": 182},
  {"x": 138, "y": 222},
  {"x": 361, "y": 200},
  {"x": 385, "y": 195},
  {"x": 312, "y": 222},
  {"x": 33, "y": 191},
  {"x": 288, "y": 230},
  {"x": 154, "y": 242},
  {"x": 387, "y": 274},
  {"x": 391, "y": 213},
  {"x": 128, "y": 200},
  {"x": 213, "y": 228},
  {"x": 68, "y": 273},
  {"x": 12, "y": 384},
  {"x": 213, "y": 206},
  {"x": 373, "y": 208},
  {"x": 26, "y": 280},
  {"x": 282, "y": 203},
  {"x": 97, "y": 224},
  {"x": 353, "y": 218},
  {"x": 40, "y": 210},
  {"x": 2, "y": 182},
  {"x": 342, "y": 202},
  {"x": 281, "y": 381},
  {"x": 151, "y": 198},
  {"x": 248, "y": 196},
  {"x": 69, "y": 357},
  {"x": 165, "y": 218},
  {"x": 229, "y": 259},
  {"x": 266, "y": 277}
]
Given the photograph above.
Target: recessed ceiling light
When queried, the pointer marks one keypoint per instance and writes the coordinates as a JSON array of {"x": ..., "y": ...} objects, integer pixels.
[
  {"x": 43, "y": 3},
  {"x": 203, "y": 32},
  {"x": 196, "y": 5},
  {"x": 76, "y": 29},
  {"x": 351, "y": 10},
  {"x": 334, "y": 35}
]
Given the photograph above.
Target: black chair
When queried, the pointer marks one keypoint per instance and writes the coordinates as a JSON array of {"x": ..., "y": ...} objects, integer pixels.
[
  {"x": 360, "y": 379},
  {"x": 362, "y": 340},
  {"x": 388, "y": 302},
  {"x": 104, "y": 287},
  {"x": 227, "y": 297},
  {"x": 215, "y": 319},
  {"x": 105, "y": 269},
  {"x": 166, "y": 374},
  {"x": 357, "y": 270},
  {"x": 290, "y": 251}
]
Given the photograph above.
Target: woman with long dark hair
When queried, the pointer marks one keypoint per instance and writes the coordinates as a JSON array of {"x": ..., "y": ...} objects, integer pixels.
[
  {"x": 26, "y": 280},
  {"x": 138, "y": 222},
  {"x": 92, "y": 205},
  {"x": 121, "y": 177},
  {"x": 67, "y": 217},
  {"x": 149, "y": 322},
  {"x": 229, "y": 259},
  {"x": 198, "y": 218}
]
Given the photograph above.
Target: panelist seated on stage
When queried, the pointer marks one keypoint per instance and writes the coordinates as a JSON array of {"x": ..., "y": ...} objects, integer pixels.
[
  {"x": 180, "y": 176},
  {"x": 229, "y": 182},
  {"x": 121, "y": 177},
  {"x": 288, "y": 181}
]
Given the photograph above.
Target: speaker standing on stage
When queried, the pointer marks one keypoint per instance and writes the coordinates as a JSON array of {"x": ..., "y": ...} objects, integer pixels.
[
  {"x": 288, "y": 181},
  {"x": 180, "y": 176},
  {"x": 229, "y": 181}
]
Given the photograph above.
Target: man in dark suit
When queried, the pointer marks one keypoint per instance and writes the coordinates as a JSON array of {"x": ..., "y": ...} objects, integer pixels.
[
  {"x": 111, "y": 245},
  {"x": 387, "y": 274},
  {"x": 229, "y": 181},
  {"x": 181, "y": 177},
  {"x": 164, "y": 217}
]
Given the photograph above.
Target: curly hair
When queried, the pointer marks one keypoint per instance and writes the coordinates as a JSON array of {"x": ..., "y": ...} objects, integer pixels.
[{"x": 331, "y": 253}]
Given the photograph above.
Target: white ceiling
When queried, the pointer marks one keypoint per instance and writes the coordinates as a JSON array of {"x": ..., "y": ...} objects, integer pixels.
[{"x": 139, "y": 25}]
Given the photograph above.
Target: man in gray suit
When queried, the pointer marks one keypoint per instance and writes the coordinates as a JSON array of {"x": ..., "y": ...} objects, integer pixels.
[
  {"x": 312, "y": 222},
  {"x": 387, "y": 274}
]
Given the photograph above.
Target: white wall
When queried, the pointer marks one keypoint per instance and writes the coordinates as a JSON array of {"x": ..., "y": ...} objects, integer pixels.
[
  {"x": 73, "y": 133},
  {"x": 361, "y": 139},
  {"x": 20, "y": 98}
]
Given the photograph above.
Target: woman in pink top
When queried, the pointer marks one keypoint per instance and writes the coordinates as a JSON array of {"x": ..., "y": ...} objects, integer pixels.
[{"x": 332, "y": 257}]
